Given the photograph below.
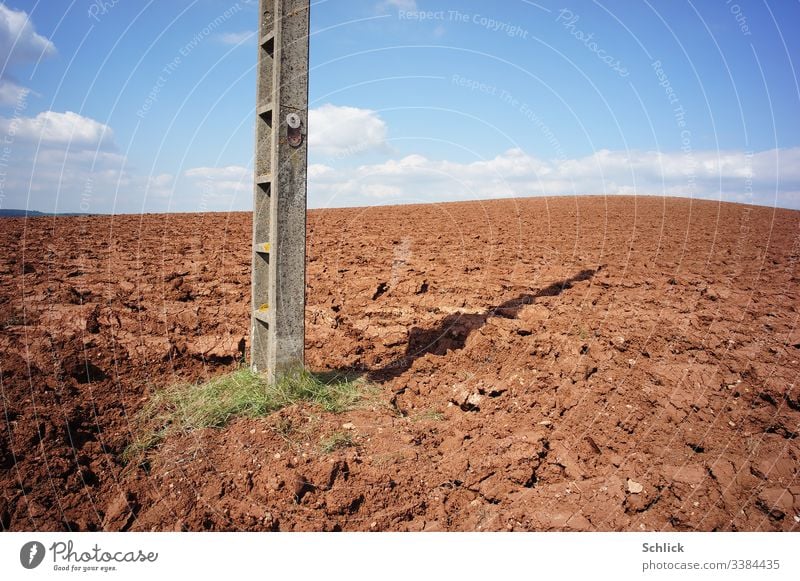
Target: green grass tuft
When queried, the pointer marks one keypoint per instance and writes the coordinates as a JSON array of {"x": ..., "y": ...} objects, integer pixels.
[
  {"x": 337, "y": 441},
  {"x": 430, "y": 415},
  {"x": 186, "y": 407}
]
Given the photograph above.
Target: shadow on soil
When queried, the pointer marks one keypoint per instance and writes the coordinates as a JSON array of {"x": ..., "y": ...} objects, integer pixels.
[{"x": 452, "y": 332}]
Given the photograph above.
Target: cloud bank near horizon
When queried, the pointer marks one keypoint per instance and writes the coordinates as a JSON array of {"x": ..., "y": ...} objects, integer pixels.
[
  {"x": 766, "y": 178},
  {"x": 77, "y": 157}
]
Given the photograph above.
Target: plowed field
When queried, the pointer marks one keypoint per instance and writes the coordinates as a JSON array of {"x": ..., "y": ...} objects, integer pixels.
[{"x": 538, "y": 364}]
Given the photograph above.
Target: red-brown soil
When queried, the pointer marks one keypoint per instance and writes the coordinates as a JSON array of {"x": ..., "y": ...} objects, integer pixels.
[{"x": 541, "y": 364}]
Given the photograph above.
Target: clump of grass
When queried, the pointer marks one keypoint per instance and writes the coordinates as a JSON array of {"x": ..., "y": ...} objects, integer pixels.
[
  {"x": 582, "y": 332},
  {"x": 284, "y": 428},
  {"x": 337, "y": 441},
  {"x": 430, "y": 415},
  {"x": 243, "y": 393}
]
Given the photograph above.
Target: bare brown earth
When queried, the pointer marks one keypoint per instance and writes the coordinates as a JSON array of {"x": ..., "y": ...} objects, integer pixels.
[{"x": 541, "y": 364}]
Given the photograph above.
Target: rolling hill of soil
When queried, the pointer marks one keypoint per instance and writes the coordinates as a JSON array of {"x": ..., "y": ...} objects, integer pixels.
[{"x": 538, "y": 364}]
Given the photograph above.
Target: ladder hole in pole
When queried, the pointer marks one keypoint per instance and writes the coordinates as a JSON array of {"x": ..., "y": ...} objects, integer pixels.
[
  {"x": 265, "y": 113},
  {"x": 264, "y": 139},
  {"x": 268, "y": 44},
  {"x": 265, "y": 185}
]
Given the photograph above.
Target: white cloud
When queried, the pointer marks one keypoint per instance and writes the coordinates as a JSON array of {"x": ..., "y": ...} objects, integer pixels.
[
  {"x": 161, "y": 186},
  {"x": 407, "y": 5},
  {"x": 725, "y": 175},
  {"x": 63, "y": 179},
  {"x": 345, "y": 131},
  {"x": 234, "y": 38},
  {"x": 19, "y": 43},
  {"x": 65, "y": 162},
  {"x": 11, "y": 93},
  {"x": 53, "y": 128},
  {"x": 235, "y": 173},
  {"x": 220, "y": 188}
]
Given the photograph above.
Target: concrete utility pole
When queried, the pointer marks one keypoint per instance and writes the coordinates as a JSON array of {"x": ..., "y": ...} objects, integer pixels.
[{"x": 279, "y": 205}]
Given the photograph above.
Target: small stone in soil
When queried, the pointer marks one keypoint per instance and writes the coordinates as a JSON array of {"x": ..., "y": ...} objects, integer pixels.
[{"x": 634, "y": 487}]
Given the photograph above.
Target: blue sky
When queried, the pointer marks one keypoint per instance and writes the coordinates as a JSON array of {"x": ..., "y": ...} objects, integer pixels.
[{"x": 131, "y": 106}]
